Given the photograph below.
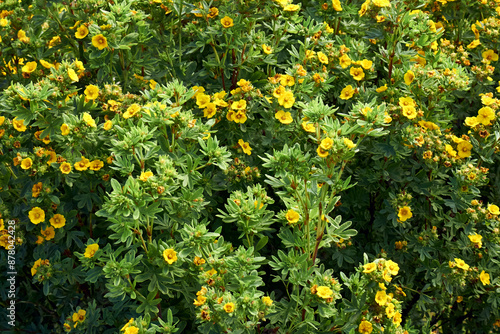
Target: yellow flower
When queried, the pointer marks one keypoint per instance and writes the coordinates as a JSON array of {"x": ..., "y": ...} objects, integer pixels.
[
  {"x": 198, "y": 261},
  {"x": 471, "y": 121},
  {"x": 132, "y": 330},
  {"x": 48, "y": 233},
  {"x": 108, "y": 125},
  {"x": 229, "y": 307},
  {"x": 326, "y": 143},
  {"x": 19, "y": 124},
  {"x": 26, "y": 163},
  {"x": 310, "y": 54},
  {"x": 91, "y": 250},
  {"x": 21, "y": 35},
  {"x": 237, "y": 117},
  {"x": 364, "y": 8},
  {"x": 89, "y": 120},
  {"x": 81, "y": 32},
  {"x": 291, "y": 8},
  {"x": 213, "y": 12},
  {"x": 322, "y": 58},
  {"x": 211, "y": 272},
  {"x": 461, "y": 264},
  {"x": 324, "y": 292},
  {"x": 397, "y": 319},
  {"x": 91, "y": 92},
  {"x": 410, "y": 112},
  {"x": 99, "y": 41},
  {"x": 65, "y": 168},
  {"x": 474, "y": 44},
  {"x": 317, "y": 78},
  {"x": 369, "y": 267},
  {"x": 390, "y": 311},
  {"x": 267, "y": 49},
  {"x": 287, "y": 80},
  {"x": 464, "y": 149},
  {"x": 131, "y": 111},
  {"x": 284, "y": 117},
  {"x": 227, "y": 22},
  {"x": 392, "y": 267},
  {"x": 485, "y": 115},
  {"x": 336, "y": 5},
  {"x": 35, "y": 267},
  {"x": 36, "y": 215},
  {"x": 476, "y": 239},
  {"x": 404, "y": 213},
  {"x": 152, "y": 84},
  {"x": 308, "y": 127},
  {"x": 365, "y": 327},
  {"x": 292, "y": 216},
  {"x": 409, "y": 77},
  {"x": 366, "y": 64},
  {"x": 239, "y": 105},
  {"x": 29, "y": 67},
  {"x": 57, "y": 221},
  {"x": 450, "y": 150},
  {"x": 494, "y": 209},
  {"x": 72, "y": 74},
  {"x": 279, "y": 92},
  {"x": 127, "y": 324},
  {"x": 321, "y": 152},
  {"x": 357, "y": 73},
  {"x": 347, "y": 93},
  {"x": 267, "y": 301},
  {"x": 489, "y": 55},
  {"x": 382, "y": 3},
  {"x": 460, "y": 299},
  {"x": 145, "y": 176},
  {"x": 381, "y": 89},
  {"x": 198, "y": 90},
  {"x": 484, "y": 277},
  {"x": 345, "y": 61},
  {"x": 35, "y": 191},
  {"x": 79, "y": 316},
  {"x": 287, "y": 99},
  {"x": 202, "y": 100},
  {"x": 79, "y": 66},
  {"x": 96, "y": 165},
  {"x": 200, "y": 300},
  {"x": 381, "y": 297},
  {"x": 349, "y": 143},
  {"x": 245, "y": 146},
  {"x": 407, "y": 102},
  {"x": 83, "y": 164},
  {"x": 170, "y": 255},
  {"x": 329, "y": 29}
]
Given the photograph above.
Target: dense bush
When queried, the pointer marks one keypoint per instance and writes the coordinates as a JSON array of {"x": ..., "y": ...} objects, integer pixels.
[{"x": 250, "y": 166}]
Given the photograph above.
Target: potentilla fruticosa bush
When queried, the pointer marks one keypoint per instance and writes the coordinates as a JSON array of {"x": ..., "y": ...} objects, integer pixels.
[{"x": 250, "y": 166}]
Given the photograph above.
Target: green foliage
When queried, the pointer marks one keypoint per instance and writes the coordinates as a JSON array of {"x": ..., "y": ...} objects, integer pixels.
[{"x": 172, "y": 166}]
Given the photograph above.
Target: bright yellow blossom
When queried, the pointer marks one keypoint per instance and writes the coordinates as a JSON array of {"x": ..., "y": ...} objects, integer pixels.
[
  {"x": 57, "y": 220},
  {"x": 91, "y": 250},
  {"x": 170, "y": 255},
  {"x": 99, "y": 41},
  {"x": 81, "y": 32},
  {"x": 292, "y": 216},
  {"x": 227, "y": 22},
  {"x": 36, "y": 215},
  {"x": 404, "y": 213}
]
